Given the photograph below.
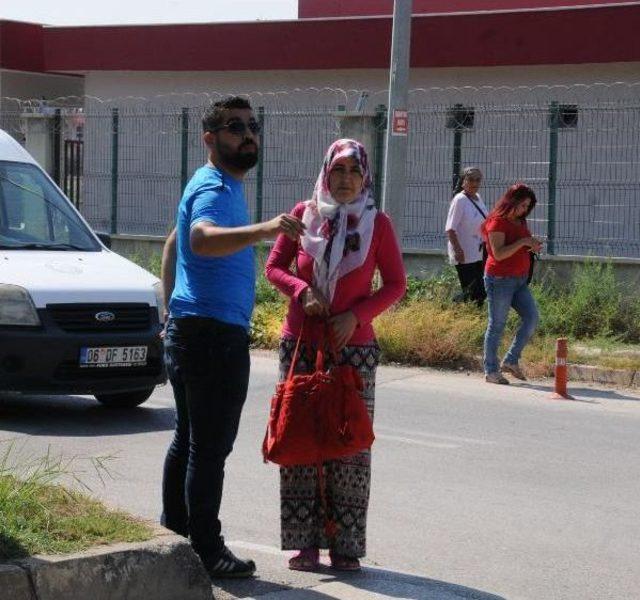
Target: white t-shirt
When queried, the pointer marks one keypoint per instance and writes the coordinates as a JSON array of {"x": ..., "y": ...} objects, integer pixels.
[{"x": 465, "y": 219}]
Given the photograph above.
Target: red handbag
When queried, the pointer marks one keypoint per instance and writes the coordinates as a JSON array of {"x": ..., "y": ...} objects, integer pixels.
[{"x": 318, "y": 416}]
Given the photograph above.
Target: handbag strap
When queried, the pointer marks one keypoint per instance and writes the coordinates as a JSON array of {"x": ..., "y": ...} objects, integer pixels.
[
  {"x": 476, "y": 206},
  {"x": 294, "y": 358},
  {"x": 325, "y": 341}
]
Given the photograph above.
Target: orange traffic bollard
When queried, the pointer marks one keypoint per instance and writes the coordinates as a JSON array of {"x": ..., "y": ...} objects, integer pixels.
[{"x": 560, "y": 388}]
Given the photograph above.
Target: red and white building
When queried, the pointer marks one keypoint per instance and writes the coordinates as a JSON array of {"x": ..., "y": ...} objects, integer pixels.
[
  {"x": 482, "y": 52},
  {"x": 334, "y": 43}
]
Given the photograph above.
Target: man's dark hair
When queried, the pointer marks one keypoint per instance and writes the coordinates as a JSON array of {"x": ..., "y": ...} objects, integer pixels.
[{"x": 214, "y": 115}]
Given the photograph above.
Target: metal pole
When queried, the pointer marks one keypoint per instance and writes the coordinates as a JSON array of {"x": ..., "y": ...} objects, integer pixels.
[
  {"x": 554, "y": 122},
  {"x": 57, "y": 135},
  {"x": 457, "y": 143},
  {"x": 260, "y": 168},
  {"x": 395, "y": 175},
  {"x": 184, "y": 153},
  {"x": 380, "y": 123},
  {"x": 114, "y": 170},
  {"x": 67, "y": 162}
]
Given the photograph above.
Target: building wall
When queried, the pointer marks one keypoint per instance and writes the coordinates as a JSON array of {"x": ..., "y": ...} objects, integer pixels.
[
  {"x": 20, "y": 92},
  {"x": 17, "y": 84},
  {"x": 597, "y": 206},
  {"x": 118, "y": 84}
]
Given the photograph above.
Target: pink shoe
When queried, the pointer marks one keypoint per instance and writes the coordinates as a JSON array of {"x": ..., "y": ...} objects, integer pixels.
[{"x": 306, "y": 560}]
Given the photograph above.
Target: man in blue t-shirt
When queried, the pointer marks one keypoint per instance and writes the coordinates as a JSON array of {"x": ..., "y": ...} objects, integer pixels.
[{"x": 208, "y": 271}]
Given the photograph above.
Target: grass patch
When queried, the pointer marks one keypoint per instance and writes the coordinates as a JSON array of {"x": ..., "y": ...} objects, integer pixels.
[
  {"x": 598, "y": 314},
  {"x": 40, "y": 516},
  {"x": 423, "y": 333}
]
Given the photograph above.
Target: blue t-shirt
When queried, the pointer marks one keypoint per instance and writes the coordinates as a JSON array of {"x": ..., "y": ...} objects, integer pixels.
[{"x": 219, "y": 287}]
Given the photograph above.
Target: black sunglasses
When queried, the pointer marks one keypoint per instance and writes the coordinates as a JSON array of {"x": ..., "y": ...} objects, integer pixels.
[{"x": 240, "y": 128}]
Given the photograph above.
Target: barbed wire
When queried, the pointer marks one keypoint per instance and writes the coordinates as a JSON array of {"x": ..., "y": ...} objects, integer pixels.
[{"x": 330, "y": 98}]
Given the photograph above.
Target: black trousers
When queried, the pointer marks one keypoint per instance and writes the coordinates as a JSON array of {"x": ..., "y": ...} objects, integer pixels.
[
  {"x": 208, "y": 364},
  {"x": 472, "y": 283}
]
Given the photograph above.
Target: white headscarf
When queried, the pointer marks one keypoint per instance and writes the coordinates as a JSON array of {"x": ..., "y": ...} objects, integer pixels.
[{"x": 338, "y": 236}]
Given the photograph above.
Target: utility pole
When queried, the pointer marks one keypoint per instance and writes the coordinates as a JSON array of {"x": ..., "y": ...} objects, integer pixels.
[{"x": 395, "y": 175}]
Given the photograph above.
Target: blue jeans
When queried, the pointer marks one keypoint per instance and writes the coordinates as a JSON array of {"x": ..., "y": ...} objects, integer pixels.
[
  {"x": 504, "y": 293},
  {"x": 208, "y": 365}
]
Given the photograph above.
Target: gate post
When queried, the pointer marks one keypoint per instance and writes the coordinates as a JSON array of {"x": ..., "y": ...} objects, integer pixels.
[{"x": 114, "y": 170}]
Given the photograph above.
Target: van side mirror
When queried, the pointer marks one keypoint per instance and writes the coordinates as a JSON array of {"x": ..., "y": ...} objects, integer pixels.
[{"x": 105, "y": 238}]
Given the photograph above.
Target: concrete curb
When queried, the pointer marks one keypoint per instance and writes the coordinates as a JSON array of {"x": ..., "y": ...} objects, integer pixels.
[
  {"x": 577, "y": 373},
  {"x": 15, "y": 583},
  {"x": 163, "y": 568},
  {"x": 619, "y": 377}
]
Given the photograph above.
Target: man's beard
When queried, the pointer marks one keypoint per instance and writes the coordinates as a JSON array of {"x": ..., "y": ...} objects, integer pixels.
[{"x": 237, "y": 159}]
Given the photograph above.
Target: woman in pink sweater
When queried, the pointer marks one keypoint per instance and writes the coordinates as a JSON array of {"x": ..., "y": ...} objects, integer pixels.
[{"x": 329, "y": 276}]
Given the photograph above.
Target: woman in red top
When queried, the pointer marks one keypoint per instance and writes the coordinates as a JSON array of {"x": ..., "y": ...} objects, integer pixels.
[
  {"x": 508, "y": 243},
  {"x": 345, "y": 241}
]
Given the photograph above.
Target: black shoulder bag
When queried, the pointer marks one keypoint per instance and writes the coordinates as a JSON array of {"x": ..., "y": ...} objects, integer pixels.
[{"x": 532, "y": 261}]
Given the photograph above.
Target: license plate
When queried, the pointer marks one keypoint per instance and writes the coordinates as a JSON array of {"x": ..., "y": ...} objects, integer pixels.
[{"x": 117, "y": 356}]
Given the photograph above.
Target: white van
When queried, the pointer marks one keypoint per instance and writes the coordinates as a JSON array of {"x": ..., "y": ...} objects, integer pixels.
[{"x": 75, "y": 318}]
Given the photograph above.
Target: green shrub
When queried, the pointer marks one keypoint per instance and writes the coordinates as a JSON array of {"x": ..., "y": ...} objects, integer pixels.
[
  {"x": 591, "y": 305},
  {"x": 266, "y": 324},
  {"x": 626, "y": 323},
  {"x": 438, "y": 288}
]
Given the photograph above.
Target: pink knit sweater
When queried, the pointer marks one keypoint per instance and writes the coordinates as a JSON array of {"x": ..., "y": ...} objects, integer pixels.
[{"x": 353, "y": 291}]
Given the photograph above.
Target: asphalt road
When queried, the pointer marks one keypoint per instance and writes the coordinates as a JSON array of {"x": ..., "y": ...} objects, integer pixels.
[{"x": 500, "y": 490}]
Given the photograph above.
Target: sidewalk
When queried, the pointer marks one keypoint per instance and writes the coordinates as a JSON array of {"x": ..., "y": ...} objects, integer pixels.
[{"x": 274, "y": 581}]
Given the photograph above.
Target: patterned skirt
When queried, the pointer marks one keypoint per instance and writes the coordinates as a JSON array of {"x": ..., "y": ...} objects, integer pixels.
[{"x": 347, "y": 480}]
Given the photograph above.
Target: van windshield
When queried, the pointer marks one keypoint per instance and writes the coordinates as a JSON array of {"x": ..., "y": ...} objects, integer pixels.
[{"x": 34, "y": 215}]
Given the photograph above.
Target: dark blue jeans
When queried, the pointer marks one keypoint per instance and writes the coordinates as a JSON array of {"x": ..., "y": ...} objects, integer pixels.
[{"x": 208, "y": 365}]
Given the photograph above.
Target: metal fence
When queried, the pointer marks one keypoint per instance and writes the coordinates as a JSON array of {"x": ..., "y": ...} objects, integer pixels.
[{"x": 582, "y": 160}]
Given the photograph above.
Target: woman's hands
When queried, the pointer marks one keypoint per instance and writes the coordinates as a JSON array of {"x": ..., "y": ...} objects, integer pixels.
[
  {"x": 533, "y": 243},
  {"x": 314, "y": 303},
  {"x": 502, "y": 250},
  {"x": 342, "y": 327}
]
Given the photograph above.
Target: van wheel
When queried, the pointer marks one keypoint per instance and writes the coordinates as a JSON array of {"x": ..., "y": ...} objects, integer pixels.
[{"x": 125, "y": 399}]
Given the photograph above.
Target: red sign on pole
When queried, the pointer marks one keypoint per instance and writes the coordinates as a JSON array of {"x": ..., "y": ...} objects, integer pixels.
[{"x": 400, "y": 122}]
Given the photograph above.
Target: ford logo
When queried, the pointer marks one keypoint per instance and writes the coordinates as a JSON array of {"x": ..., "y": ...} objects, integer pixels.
[{"x": 105, "y": 316}]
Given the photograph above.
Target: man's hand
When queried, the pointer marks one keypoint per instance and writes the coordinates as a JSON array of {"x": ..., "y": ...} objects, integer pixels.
[
  {"x": 314, "y": 303},
  {"x": 458, "y": 254},
  {"x": 207, "y": 239},
  {"x": 165, "y": 322},
  {"x": 343, "y": 326},
  {"x": 285, "y": 223}
]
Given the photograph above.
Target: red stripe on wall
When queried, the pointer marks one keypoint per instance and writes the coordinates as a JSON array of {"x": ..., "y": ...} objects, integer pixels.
[
  {"x": 221, "y": 47},
  {"x": 21, "y": 46},
  {"x": 550, "y": 37},
  {"x": 314, "y": 9}
]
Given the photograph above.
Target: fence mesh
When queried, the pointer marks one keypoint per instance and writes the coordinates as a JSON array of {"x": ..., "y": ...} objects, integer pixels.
[{"x": 583, "y": 161}]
